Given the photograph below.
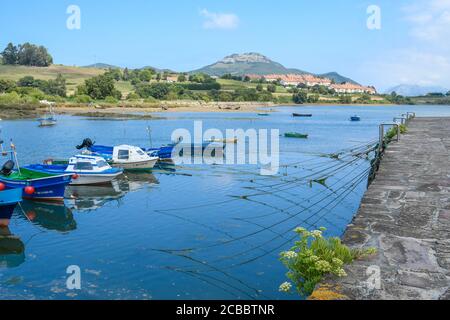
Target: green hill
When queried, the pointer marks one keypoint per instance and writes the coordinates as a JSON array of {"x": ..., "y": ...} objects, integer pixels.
[{"x": 73, "y": 75}]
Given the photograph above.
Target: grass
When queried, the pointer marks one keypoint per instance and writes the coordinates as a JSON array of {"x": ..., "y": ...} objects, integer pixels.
[{"x": 74, "y": 75}]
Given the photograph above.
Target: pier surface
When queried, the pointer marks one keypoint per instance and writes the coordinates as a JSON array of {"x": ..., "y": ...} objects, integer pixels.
[{"x": 405, "y": 215}]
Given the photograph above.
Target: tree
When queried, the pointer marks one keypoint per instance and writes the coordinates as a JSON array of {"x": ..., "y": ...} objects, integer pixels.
[
  {"x": 448, "y": 94},
  {"x": 300, "y": 97},
  {"x": 182, "y": 78},
  {"x": 145, "y": 75},
  {"x": 259, "y": 88},
  {"x": 271, "y": 88},
  {"x": 155, "y": 90},
  {"x": 10, "y": 54},
  {"x": 100, "y": 87},
  {"x": 125, "y": 75},
  {"x": 32, "y": 55}
]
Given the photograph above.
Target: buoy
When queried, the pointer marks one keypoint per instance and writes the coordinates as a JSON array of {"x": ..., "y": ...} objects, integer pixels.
[
  {"x": 29, "y": 190},
  {"x": 31, "y": 215},
  {"x": 74, "y": 176},
  {"x": 2, "y": 186}
]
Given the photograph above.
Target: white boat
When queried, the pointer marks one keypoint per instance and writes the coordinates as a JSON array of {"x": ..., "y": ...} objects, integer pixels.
[
  {"x": 48, "y": 119},
  {"x": 131, "y": 158},
  {"x": 85, "y": 170}
]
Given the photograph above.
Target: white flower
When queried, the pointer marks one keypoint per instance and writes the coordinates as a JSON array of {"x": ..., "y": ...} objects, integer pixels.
[
  {"x": 316, "y": 233},
  {"x": 341, "y": 273},
  {"x": 285, "y": 287}
]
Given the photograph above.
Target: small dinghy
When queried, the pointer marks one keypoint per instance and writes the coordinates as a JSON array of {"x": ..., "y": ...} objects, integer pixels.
[
  {"x": 85, "y": 170},
  {"x": 296, "y": 135},
  {"x": 355, "y": 118},
  {"x": 305, "y": 115},
  {"x": 48, "y": 119}
]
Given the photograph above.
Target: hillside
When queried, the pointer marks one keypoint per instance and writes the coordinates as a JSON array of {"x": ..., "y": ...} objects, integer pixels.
[
  {"x": 256, "y": 63},
  {"x": 74, "y": 75}
]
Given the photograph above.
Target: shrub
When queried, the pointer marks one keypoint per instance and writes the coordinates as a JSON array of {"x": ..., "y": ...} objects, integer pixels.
[
  {"x": 12, "y": 97},
  {"x": 110, "y": 99},
  {"x": 133, "y": 96},
  {"x": 83, "y": 98},
  {"x": 314, "y": 256}
]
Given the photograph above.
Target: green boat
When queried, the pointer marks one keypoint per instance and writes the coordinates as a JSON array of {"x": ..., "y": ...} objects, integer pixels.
[
  {"x": 296, "y": 135},
  {"x": 263, "y": 114}
]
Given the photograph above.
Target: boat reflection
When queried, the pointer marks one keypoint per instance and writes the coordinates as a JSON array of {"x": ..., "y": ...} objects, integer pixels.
[
  {"x": 49, "y": 216},
  {"x": 93, "y": 197},
  {"x": 12, "y": 249}
]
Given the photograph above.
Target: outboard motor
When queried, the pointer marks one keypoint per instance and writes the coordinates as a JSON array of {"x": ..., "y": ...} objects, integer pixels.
[
  {"x": 7, "y": 168},
  {"x": 87, "y": 143}
]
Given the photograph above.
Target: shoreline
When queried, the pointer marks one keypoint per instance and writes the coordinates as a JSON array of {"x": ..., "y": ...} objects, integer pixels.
[{"x": 144, "y": 110}]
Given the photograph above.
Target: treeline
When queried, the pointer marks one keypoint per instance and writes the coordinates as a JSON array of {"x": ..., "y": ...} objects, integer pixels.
[
  {"x": 26, "y": 54},
  {"x": 28, "y": 90}
]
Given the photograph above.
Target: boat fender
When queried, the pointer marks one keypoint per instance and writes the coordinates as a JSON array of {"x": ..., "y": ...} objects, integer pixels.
[
  {"x": 2, "y": 186},
  {"x": 29, "y": 190},
  {"x": 7, "y": 168}
]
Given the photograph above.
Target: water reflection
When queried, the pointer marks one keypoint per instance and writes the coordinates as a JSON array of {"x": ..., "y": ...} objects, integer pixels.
[
  {"x": 49, "y": 216},
  {"x": 12, "y": 249},
  {"x": 93, "y": 197}
]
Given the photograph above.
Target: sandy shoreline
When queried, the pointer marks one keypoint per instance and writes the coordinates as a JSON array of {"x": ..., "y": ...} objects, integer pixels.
[{"x": 133, "y": 110}]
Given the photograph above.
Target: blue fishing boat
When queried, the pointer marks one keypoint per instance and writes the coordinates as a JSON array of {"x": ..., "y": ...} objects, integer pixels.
[
  {"x": 163, "y": 153},
  {"x": 355, "y": 118},
  {"x": 9, "y": 198},
  {"x": 37, "y": 186}
]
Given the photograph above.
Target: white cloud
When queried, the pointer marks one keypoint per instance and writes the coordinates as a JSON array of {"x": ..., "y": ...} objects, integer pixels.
[
  {"x": 409, "y": 66},
  {"x": 219, "y": 20},
  {"x": 430, "y": 21}
]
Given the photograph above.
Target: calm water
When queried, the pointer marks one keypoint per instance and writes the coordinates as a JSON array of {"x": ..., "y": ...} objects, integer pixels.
[{"x": 191, "y": 231}]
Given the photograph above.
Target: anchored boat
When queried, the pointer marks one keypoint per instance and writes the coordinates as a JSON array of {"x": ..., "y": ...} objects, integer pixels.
[
  {"x": 48, "y": 119},
  {"x": 355, "y": 118},
  {"x": 296, "y": 135},
  {"x": 305, "y": 115},
  {"x": 84, "y": 169}
]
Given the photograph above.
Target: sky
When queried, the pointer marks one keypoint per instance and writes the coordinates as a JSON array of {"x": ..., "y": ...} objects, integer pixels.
[{"x": 401, "y": 42}]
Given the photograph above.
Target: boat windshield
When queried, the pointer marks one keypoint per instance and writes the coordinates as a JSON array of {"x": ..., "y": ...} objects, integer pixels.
[
  {"x": 140, "y": 152},
  {"x": 102, "y": 163},
  {"x": 83, "y": 166}
]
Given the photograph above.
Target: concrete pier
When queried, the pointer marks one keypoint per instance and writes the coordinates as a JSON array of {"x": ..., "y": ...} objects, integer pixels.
[{"x": 405, "y": 215}]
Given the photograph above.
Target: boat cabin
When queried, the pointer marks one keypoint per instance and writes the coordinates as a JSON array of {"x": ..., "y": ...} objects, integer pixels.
[
  {"x": 126, "y": 154},
  {"x": 87, "y": 163}
]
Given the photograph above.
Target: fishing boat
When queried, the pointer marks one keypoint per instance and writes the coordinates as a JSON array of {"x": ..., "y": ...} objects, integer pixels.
[
  {"x": 296, "y": 135},
  {"x": 125, "y": 156},
  {"x": 263, "y": 114},
  {"x": 49, "y": 119},
  {"x": 163, "y": 153},
  {"x": 355, "y": 118},
  {"x": 38, "y": 186},
  {"x": 305, "y": 115},
  {"x": 84, "y": 169},
  {"x": 9, "y": 198}
]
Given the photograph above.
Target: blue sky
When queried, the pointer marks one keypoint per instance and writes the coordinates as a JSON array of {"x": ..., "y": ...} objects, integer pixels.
[{"x": 412, "y": 46}]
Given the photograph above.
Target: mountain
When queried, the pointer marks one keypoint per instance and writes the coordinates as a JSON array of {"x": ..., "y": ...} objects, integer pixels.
[
  {"x": 337, "y": 77},
  {"x": 256, "y": 63},
  {"x": 415, "y": 90},
  {"x": 102, "y": 66}
]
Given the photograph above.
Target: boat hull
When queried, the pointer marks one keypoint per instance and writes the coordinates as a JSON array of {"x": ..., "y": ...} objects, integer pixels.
[
  {"x": 8, "y": 201},
  {"x": 94, "y": 179},
  {"x": 141, "y": 165},
  {"x": 45, "y": 189}
]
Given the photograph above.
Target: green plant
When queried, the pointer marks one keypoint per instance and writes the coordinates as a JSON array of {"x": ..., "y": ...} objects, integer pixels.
[{"x": 314, "y": 256}]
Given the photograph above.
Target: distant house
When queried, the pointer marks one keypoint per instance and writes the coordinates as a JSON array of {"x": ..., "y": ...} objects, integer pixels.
[
  {"x": 298, "y": 79},
  {"x": 172, "y": 79},
  {"x": 352, "y": 88}
]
